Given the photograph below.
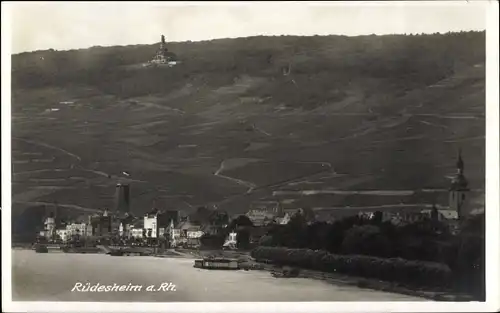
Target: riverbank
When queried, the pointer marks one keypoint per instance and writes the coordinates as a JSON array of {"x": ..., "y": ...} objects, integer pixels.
[
  {"x": 249, "y": 263},
  {"x": 246, "y": 263},
  {"x": 373, "y": 284},
  {"x": 147, "y": 251},
  {"x": 51, "y": 277}
]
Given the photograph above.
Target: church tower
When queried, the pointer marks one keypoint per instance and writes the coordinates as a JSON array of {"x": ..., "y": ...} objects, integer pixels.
[{"x": 459, "y": 190}]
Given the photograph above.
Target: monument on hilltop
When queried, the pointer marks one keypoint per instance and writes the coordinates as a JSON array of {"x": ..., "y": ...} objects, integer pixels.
[{"x": 163, "y": 56}]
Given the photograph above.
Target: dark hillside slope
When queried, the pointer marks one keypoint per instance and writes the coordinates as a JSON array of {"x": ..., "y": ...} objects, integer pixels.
[{"x": 241, "y": 118}]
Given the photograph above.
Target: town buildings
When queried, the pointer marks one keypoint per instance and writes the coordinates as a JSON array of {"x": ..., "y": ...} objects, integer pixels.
[
  {"x": 136, "y": 229},
  {"x": 278, "y": 214},
  {"x": 79, "y": 229},
  {"x": 156, "y": 222},
  {"x": 49, "y": 227},
  {"x": 186, "y": 234},
  {"x": 126, "y": 225},
  {"x": 96, "y": 225},
  {"x": 230, "y": 242},
  {"x": 262, "y": 216},
  {"x": 282, "y": 219},
  {"x": 215, "y": 223},
  {"x": 63, "y": 235},
  {"x": 65, "y": 231},
  {"x": 168, "y": 225},
  {"x": 101, "y": 224}
]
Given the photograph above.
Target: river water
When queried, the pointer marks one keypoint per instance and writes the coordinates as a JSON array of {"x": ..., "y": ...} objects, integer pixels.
[{"x": 53, "y": 276}]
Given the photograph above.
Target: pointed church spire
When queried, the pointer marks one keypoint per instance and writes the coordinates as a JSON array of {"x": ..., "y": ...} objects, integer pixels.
[
  {"x": 460, "y": 162},
  {"x": 434, "y": 212},
  {"x": 459, "y": 182}
]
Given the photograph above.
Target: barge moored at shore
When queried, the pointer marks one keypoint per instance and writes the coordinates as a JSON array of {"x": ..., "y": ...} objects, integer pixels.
[{"x": 217, "y": 264}]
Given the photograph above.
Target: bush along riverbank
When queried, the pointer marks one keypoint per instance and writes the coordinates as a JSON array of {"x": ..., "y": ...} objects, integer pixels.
[
  {"x": 427, "y": 253},
  {"x": 418, "y": 278}
]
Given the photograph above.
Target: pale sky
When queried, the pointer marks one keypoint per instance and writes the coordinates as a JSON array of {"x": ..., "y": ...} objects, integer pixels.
[{"x": 63, "y": 26}]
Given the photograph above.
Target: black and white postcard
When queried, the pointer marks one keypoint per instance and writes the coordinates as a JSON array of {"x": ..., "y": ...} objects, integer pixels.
[{"x": 250, "y": 156}]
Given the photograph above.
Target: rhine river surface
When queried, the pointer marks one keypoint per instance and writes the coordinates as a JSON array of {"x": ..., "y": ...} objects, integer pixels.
[{"x": 52, "y": 276}]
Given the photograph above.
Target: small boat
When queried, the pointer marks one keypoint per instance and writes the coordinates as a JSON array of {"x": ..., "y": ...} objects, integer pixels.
[
  {"x": 115, "y": 253},
  {"x": 127, "y": 251},
  {"x": 217, "y": 264}
]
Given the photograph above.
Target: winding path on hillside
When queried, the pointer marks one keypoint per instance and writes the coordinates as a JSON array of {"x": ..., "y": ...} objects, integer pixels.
[
  {"x": 279, "y": 184},
  {"x": 77, "y": 167},
  {"x": 253, "y": 187},
  {"x": 64, "y": 205},
  {"x": 46, "y": 145},
  {"x": 250, "y": 185}
]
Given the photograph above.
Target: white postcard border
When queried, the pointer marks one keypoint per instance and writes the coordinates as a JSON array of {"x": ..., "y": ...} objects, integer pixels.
[{"x": 492, "y": 205}]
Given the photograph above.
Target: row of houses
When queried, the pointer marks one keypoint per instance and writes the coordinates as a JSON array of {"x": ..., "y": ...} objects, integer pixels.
[
  {"x": 56, "y": 230},
  {"x": 180, "y": 231},
  {"x": 163, "y": 224},
  {"x": 63, "y": 232},
  {"x": 154, "y": 226},
  {"x": 396, "y": 214}
]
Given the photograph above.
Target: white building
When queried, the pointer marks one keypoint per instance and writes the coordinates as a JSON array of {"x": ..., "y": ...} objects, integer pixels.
[
  {"x": 283, "y": 220},
  {"x": 151, "y": 225},
  {"x": 121, "y": 230},
  {"x": 442, "y": 214},
  {"x": 261, "y": 217},
  {"x": 156, "y": 223},
  {"x": 64, "y": 234},
  {"x": 136, "y": 232},
  {"x": 49, "y": 227},
  {"x": 194, "y": 234},
  {"x": 230, "y": 240},
  {"x": 78, "y": 229},
  {"x": 125, "y": 229},
  {"x": 174, "y": 234}
]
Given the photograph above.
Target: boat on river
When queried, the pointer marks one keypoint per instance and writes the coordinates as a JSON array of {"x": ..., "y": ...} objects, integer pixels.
[
  {"x": 217, "y": 264},
  {"x": 127, "y": 251}
]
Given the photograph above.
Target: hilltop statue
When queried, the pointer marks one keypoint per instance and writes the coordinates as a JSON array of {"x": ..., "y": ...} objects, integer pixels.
[{"x": 163, "y": 56}]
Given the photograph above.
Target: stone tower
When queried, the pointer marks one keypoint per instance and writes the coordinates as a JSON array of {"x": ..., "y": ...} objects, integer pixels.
[
  {"x": 163, "y": 45},
  {"x": 459, "y": 190},
  {"x": 122, "y": 198}
]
